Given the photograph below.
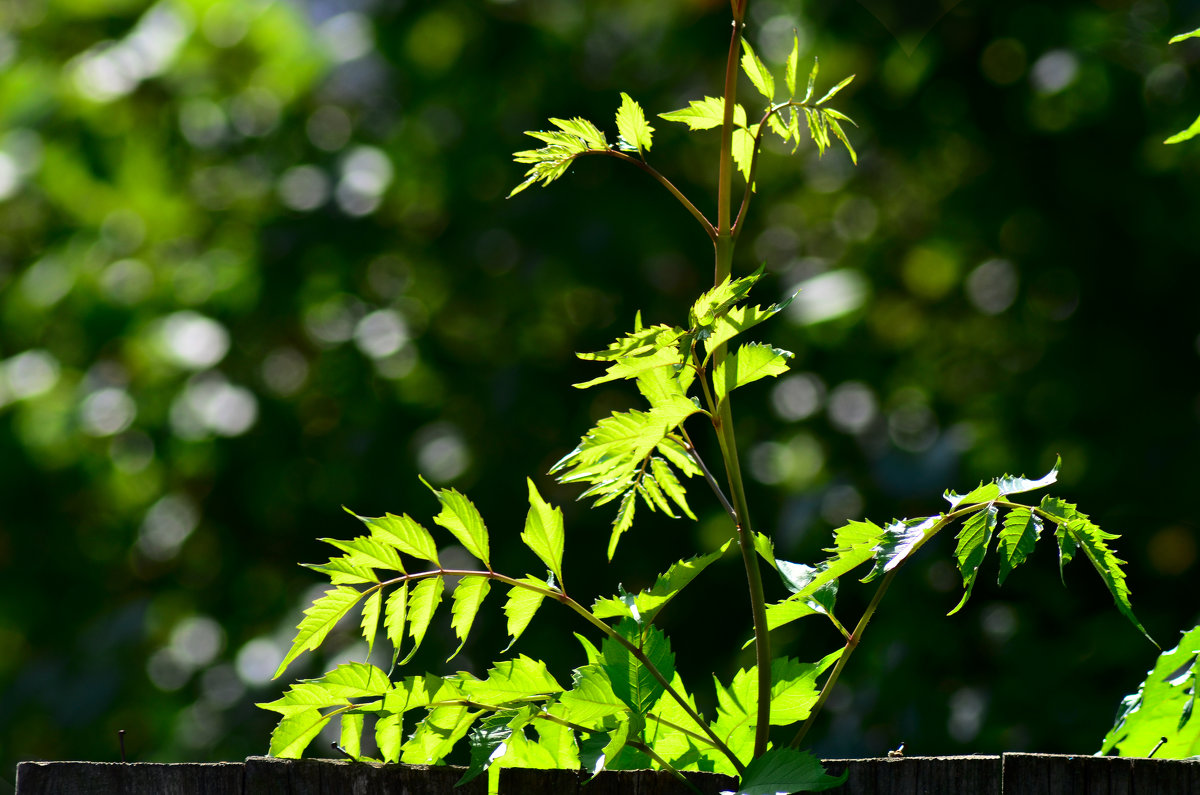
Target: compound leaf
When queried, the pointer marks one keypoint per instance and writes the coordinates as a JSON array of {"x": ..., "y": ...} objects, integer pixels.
[{"x": 584, "y": 130}]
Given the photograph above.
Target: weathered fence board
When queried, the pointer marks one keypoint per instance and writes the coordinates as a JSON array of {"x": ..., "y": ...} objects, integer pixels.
[
  {"x": 1043, "y": 774},
  {"x": 1011, "y": 774},
  {"x": 919, "y": 775},
  {"x": 101, "y": 778}
]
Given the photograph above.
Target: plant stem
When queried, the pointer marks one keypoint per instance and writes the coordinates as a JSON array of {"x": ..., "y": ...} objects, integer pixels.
[
  {"x": 723, "y": 421},
  {"x": 851, "y": 645},
  {"x": 708, "y": 476}
]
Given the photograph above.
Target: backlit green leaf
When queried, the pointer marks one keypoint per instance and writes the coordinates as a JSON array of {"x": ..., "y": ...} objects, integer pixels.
[
  {"x": 900, "y": 539},
  {"x": 812, "y": 80},
  {"x": 422, "y": 604},
  {"x": 748, "y": 364},
  {"x": 1184, "y": 36},
  {"x": 405, "y": 534},
  {"x": 635, "y": 133},
  {"x": 389, "y": 736},
  {"x": 631, "y": 680},
  {"x": 519, "y": 679},
  {"x": 670, "y": 485},
  {"x": 1185, "y": 135},
  {"x": 342, "y": 571},
  {"x": 437, "y": 734},
  {"x": 468, "y": 595},
  {"x": 460, "y": 517},
  {"x": 742, "y": 149},
  {"x": 671, "y": 582},
  {"x": 394, "y": 616},
  {"x": 737, "y": 320},
  {"x": 705, "y": 114},
  {"x": 590, "y": 700},
  {"x": 369, "y": 552},
  {"x": 831, "y": 93},
  {"x": 370, "y": 619},
  {"x": 1091, "y": 539},
  {"x": 522, "y": 605},
  {"x": 543, "y": 531},
  {"x": 718, "y": 300},
  {"x": 1019, "y": 535},
  {"x": 294, "y": 732},
  {"x": 584, "y": 130},
  {"x": 973, "y": 540},
  {"x": 757, "y": 72},
  {"x": 792, "y": 64},
  {"x": 1163, "y": 706},
  {"x": 320, "y": 617},
  {"x": 351, "y": 734}
]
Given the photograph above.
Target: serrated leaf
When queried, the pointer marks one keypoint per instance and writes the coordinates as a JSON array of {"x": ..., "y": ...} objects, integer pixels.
[
  {"x": 395, "y": 611},
  {"x": 632, "y": 682},
  {"x": 743, "y": 145},
  {"x": 985, "y": 492},
  {"x": 356, "y": 680},
  {"x": 634, "y": 364},
  {"x": 562, "y": 751},
  {"x": 320, "y": 617},
  {"x": 590, "y": 700},
  {"x": 792, "y": 64},
  {"x": 488, "y": 742},
  {"x": 519, "y": 679},
  {"x": 468, "y": 595},
  {"x": 543, "y": 531},
  {"x": 584, "y": 130},
  {"x": 782, "y": 771},
  {"x": 350, "y": 739},
  {"x": 714, "y": 303},
  {"x": 668, "y": 584},
  {"x": 670, "y": 485},
  {"x": 899, "y": 540},
  {"x": 294, "y": 732},
  {"x": 841, "y": 136},
  {"x": 831, "y": 93},
  {"x": 757, "y": 72},
  {"x": 462, "y": 519},
  {"x": 1161, "y": 707},
  {"x": 1019, "y": 535},
  {"x": 341, "y": 571},
  {"x": 1002, "y": 486},
  {"x": 521, "y": 606},
  {"x": 973, "y": 540},
  {"x": 623, "y": 522},
  {"x": 368, "y": 552},
  {"x": 1091, "y": 539},
  {"x": 776, "y": 123},
  {"x": 405, "y": 534},
  {"x": 422, "y": 603},
  {"x": 389, "y": 736},
  {"x": 437, "y": 734},
  {"x": 370, "y": 619},
  {"x": 748, "y": 364},
  {"x": 705, "y": 114},
  {"x": 635, "y": 133}
]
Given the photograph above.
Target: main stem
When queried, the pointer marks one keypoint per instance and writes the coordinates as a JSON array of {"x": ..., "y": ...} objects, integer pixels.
[{"x": 723, "y": 421}]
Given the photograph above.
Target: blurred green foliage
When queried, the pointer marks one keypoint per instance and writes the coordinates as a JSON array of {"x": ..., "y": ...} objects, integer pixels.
[{"x": 255, "y": 264}]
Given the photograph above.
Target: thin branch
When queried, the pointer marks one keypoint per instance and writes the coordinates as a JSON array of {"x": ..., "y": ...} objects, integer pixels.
[
  {"x": 666, "y": 183},
  {"x": 708, "y": 476}
]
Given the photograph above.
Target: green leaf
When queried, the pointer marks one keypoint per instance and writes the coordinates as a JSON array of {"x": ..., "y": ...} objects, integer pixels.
[
  {"x": 1185, "y": 135},
  {"x": 590, "y": 701},
  {"x": 543, "y": 531},
  {"x": 389, "y": 736},
  {"x": 437, "y": 734},
  {"x": 632, "y": 681},
  {"x": 973, "y": 540},
  {"x": 1183, "y": 36},
  {"x": 634, "y": 364},
  {"x": 782, "y": 771},
  {"x": 519, "y": 679},
  {"x": 748, "y": 364},
  {"x": 522, "y": 605},
  {"x": 855, "y": 543},
  {"x": 488, "y": 742},
  {"x": 468, "y": 595},
  {"x": 562, "y": 752},
  {"x": 668, "y": 585},
  {"x": 792, "y": 64},
  {"x": 665, "y": 477},
  {"x": 757, "y": 72},
  {"x": 812, "y": 80},
  {"x": 342, "y": 571},
  {"x": 294, "y": 732},
  {"x": 1002, "y": 486},
  {"x": 836, "y": 126},
  {"x": 715, "y": 302},
  {"x": 831, "y": 93},
  {"x": 737, "y": 320},
  {"x": 422, "y": 604},
  {"x": 404, "y": 534},
  {"x": 623, "y": 522},
  {"x": 1163, "y": 706},
  {"x": 584, "y": 130},
  {"x": 351, "y": 734},
  {"x": 320, "y": 617},
  {"x": 461, "y": 518},
  {"x": 636, "y": 134},
  {"x": 394, "y": 616},
  {"x": 370, "y": 619},
  {"x": 368, "y": 552},
  {"x": 1091, "y": 539},
  {"x": 743, "y": 146},
  {"x": 705, "y": 114},
  {"x": 356, "y": 680},
  {"x": 900, "y": 539},
  {"x": 1019, "y": 535}
]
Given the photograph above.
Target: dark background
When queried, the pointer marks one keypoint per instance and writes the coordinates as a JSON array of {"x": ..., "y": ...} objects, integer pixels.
[{"x": 256, "y": 264}]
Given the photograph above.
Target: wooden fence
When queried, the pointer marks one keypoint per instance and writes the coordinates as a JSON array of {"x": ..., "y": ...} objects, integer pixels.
[{"x": 1010, "y": 774}]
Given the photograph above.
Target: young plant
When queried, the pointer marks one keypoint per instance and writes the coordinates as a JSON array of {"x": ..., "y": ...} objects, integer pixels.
[{"x": 627, "y": 706}]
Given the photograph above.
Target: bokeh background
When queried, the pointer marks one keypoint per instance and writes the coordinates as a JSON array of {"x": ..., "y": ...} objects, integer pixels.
[{"x": 256, "y": 264}]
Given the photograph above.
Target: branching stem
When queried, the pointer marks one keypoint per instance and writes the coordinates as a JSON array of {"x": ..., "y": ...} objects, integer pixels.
[{"x": 708, "y": 476}]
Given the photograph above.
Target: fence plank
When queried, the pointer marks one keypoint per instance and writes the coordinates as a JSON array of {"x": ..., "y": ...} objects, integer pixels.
[
  {"x": 139, "y": 778},
  {"x": 519, "y": 781},
  {"x": 1048, "y": 774},
  {"x": 918, "y": 775},
  {"x": 269, "y": 776}
]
